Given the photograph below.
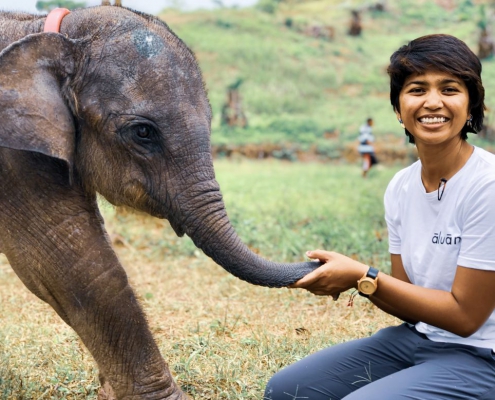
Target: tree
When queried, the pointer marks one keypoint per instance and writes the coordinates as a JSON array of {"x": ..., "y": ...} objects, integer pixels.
[
  {"x": 48, "y": 5},
  {"x": 486, "y": 45},
  {"x": 356, "y": 27},
  {"x": 232, "y": 113}
]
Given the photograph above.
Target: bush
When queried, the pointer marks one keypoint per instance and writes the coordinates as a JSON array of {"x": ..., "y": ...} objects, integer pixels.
[{"x": 268, "y": 6}]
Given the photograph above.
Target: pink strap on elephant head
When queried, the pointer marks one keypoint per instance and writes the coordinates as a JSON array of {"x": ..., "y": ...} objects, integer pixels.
[{"x": 54, "y": 19}]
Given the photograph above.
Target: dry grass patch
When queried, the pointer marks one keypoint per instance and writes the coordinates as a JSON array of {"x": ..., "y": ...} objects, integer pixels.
[{"x": 222, "y": 337}]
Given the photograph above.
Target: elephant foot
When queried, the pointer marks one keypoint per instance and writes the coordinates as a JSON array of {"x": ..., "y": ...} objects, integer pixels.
[
  {"x": 106, "y": 392},
  {"x": 171, "y": 392}
]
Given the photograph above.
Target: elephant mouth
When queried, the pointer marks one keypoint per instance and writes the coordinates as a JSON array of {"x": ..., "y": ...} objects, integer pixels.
[
  {"x": 174, "y": 223},
  {"x": 179, "y": 230},
  {"x": 156, "y": 208}
]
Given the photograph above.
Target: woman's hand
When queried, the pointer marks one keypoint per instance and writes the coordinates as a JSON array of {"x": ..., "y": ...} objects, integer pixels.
[{"x": 338, "y": 274}]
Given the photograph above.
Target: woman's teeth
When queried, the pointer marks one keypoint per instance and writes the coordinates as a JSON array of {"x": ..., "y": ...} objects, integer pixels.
[{"x": 434, "y": 120}]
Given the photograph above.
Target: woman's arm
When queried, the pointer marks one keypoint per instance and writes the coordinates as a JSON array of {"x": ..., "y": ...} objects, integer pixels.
[
  {"x": 461, "y": 311},
  {"x": 398, "y": 272}
]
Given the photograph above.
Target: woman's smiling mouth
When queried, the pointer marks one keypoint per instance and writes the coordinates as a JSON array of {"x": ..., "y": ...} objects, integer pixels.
[{"x": 433, "y": 120}]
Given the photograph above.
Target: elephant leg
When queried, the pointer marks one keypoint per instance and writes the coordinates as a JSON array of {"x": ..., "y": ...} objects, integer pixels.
[
  {"x": 54, "y": 239},
  {"x": 89, "y": 290},
  {"x": 106, "y": 392}
]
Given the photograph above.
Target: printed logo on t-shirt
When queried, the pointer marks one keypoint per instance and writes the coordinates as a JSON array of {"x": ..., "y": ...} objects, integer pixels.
[{"x": 447, "y": 239}]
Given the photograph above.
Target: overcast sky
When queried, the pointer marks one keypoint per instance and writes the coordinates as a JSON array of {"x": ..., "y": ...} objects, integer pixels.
[{"x": 148, "y": 6}]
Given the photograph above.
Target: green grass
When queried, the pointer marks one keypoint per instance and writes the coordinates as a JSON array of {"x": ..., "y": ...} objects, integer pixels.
[
  {"x": 284, "y": 209},
  {"x": 296, "y": 87},
  {"x": 222, "y": 337}
]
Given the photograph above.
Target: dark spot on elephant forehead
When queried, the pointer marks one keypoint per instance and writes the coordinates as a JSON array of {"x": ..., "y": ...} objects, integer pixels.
[{"x": 147, "y": 43}]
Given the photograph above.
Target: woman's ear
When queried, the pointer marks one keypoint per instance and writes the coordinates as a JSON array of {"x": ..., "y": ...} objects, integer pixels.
[
  {"x": 33, "y": 113},
  {"x": 397, "y": 113}
]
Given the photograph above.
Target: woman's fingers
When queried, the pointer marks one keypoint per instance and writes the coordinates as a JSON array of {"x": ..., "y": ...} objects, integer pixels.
[
  {"x": 337, "y": 274},
  {"x": 322, "y": 255},
  {"x": 307, "y": 279}
]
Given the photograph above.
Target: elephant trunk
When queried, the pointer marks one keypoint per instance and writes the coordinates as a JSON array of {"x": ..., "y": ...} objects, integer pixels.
[{"x": 205, "y": 221}]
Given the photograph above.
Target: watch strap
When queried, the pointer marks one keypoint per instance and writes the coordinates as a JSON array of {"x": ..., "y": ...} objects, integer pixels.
[{"x": 372, "y": 272}]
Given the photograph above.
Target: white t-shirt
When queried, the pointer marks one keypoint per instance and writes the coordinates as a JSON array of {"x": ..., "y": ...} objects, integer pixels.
[
  {"x": 433, "y": 237},
  {"x": 365, "y": 139}
]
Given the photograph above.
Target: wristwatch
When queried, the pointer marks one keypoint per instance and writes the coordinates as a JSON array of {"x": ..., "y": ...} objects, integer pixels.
[{"x": 368, "y": 284}]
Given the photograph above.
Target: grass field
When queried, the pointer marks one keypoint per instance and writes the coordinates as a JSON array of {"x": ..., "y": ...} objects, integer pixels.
[
  {"x": 222, "y": 337},
  {"x": 295, "y": 87}
]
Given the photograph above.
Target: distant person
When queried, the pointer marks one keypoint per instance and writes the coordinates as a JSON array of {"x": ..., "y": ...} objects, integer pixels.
[
  {"x": 440, "y": 217},
  {"x": 365, "y": 147}
]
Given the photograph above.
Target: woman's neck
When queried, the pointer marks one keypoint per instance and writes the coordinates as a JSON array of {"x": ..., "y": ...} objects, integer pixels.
[{"x": 442, "y": 162}]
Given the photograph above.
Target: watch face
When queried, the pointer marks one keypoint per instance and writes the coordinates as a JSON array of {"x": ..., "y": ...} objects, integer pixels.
[{"x": 367, "y": 287}]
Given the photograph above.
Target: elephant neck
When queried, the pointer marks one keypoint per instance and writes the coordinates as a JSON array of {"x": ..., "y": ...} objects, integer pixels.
[
  {"x": 95, "y": 23},
  {"x": 18, "y": 25},
  {"x": 79, "y": 24},
  {"x": 83, "y": 23}
]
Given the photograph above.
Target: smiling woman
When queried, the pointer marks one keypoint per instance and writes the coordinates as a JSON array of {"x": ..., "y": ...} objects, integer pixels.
[
  {"x": 440, "y": 217},
  {"x": 434, "y": 102}
]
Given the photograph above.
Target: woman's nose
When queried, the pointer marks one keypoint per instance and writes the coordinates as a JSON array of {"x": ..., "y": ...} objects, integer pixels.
[{"x": 433, "y": 100}]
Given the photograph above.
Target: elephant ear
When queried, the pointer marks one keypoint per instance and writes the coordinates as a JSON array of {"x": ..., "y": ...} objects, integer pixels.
[{"x": 33, "y": 113}]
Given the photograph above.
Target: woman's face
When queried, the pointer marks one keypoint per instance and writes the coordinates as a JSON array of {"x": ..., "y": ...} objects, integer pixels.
[{"x": 434, "y": 107}]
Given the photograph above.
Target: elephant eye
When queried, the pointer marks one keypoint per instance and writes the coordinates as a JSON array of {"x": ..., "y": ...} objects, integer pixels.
[{"x": 143, "y": 131}]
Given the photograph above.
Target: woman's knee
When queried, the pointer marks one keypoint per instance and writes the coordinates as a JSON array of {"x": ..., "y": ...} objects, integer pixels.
[
  {"x": 307, "y": 378},
  {"x": 294, "y": 380},
  {"x": 277, "y": 386}
]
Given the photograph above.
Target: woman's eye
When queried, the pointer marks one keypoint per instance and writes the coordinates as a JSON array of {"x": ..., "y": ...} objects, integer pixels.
[{"x": 416, "y": 90}]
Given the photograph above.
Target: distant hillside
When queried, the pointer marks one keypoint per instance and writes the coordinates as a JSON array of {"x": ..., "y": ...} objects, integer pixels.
[{"x": 302, "y": 89}]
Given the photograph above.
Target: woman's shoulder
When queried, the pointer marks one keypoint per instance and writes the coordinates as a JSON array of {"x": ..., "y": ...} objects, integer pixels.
[
  {"x": 478, "y": 180},
  {"x": 484, "y": 164},
  {"x": 485, "y": 156},
  {"x": 406, "y": 174},
  {"x": 404, "y": 179}
]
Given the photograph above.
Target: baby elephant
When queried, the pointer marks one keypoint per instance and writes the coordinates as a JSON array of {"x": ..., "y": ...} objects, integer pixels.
[{"x": 107, "y": 100}]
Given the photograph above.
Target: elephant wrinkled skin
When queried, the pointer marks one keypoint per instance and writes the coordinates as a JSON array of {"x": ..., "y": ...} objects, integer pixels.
[{"x": 115, "y": 104}]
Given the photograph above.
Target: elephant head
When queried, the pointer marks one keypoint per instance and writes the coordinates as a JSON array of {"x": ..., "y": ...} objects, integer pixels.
[
  {"x": 120, "y": 98},
  {"x": 113, "y": 104}
]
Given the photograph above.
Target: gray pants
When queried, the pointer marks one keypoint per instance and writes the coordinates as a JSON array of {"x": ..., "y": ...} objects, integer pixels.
[{"x": 395, "y": 363}]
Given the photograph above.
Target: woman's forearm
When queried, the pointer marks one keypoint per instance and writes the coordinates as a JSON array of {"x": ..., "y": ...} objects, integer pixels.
[
  {"x": 413, "y": 303},
  {"x": 462, "y": 311},
  {"x": 389, "y": 309}
]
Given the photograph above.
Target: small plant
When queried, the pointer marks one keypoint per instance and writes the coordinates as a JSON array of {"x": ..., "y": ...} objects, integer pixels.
[{"x": 223, "y": 24}]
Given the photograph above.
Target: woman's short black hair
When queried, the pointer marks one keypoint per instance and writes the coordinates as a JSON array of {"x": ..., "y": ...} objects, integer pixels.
[{"x": 442, "y": 53}]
